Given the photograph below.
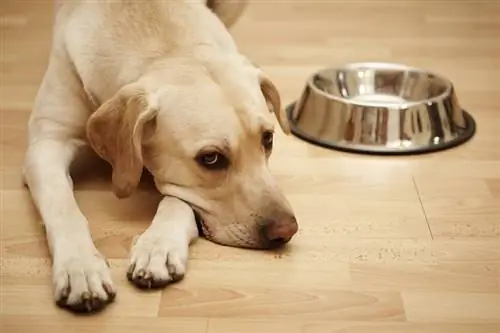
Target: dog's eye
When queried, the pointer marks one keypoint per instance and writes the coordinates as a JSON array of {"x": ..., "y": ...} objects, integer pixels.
[
  {"x": 213, "y": 161},
  {"x": 267, "y": 140}
]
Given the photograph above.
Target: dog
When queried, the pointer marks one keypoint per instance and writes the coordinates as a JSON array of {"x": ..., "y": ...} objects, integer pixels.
[{"x": 158, "y": 86}]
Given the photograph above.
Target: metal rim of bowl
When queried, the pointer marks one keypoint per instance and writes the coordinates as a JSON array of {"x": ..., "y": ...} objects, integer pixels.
[{"x": 379, "y": 65}]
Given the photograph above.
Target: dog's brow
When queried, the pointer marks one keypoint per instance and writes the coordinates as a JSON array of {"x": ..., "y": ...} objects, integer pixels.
[
  {"x": 224, "y": 146},
  {"x": 266, "y": 126},
  {"x": 221, "y": 145}
]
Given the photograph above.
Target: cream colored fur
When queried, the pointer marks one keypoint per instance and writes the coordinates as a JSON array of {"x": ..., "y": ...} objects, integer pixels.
[{"x": 157, "y": 85}]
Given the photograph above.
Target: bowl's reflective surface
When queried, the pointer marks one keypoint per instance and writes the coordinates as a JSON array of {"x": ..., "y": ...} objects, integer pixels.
[{"x": 380, "y": 108}]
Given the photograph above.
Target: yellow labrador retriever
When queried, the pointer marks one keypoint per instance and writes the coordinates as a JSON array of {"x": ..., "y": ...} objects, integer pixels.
[{"x": 157, "y": 85}]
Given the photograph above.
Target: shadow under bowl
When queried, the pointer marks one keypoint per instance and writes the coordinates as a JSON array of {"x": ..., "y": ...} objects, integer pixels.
[{"x": 380, "y": 108}]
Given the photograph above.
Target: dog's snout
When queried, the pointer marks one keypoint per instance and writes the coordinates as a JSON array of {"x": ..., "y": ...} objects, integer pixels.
[{"x": 280, "y": 231}]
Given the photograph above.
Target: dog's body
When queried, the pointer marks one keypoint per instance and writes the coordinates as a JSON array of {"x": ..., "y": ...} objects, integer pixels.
[{"x": 160, "y": 85}]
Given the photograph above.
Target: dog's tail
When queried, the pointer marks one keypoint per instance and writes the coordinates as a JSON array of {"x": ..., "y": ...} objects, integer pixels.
[{"x": 228, "y": 11}]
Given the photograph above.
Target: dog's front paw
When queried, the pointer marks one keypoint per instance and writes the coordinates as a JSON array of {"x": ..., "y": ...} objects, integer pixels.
[
  {"x": 157, "y": 261},
  {"x": 82, "y": 282}
]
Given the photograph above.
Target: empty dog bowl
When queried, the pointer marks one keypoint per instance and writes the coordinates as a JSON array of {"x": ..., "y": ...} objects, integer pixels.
[{"x": 380, "y": 108}]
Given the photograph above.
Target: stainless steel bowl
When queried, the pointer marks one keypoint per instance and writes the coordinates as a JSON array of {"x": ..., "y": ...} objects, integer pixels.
[{"x": 380, "y": 108}]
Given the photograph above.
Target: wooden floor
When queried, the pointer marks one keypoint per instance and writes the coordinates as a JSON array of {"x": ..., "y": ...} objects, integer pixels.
[{"x": 408, "y": 244}]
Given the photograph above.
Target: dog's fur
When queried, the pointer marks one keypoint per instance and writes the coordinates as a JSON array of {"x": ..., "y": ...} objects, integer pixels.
[{"x": 157, "y": 85}]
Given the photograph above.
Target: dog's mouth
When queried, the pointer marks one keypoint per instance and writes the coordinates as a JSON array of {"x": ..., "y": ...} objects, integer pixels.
[
  {"x": 203, "y": 229},
  {"x": 240, "y": 238},
  {"x": 200, "y": 224}
]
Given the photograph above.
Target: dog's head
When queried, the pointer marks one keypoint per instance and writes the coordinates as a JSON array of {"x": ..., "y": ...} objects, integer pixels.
[{"x": 205, "y": 134}]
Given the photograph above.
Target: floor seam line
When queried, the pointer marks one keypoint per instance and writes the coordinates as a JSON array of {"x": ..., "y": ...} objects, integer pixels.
[{"x": 423, "y": 208}]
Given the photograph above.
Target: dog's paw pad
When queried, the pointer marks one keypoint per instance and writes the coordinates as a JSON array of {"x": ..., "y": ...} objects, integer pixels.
[
  {"x": 156, "y": 263},
  {"x": 83, "y": 283}
]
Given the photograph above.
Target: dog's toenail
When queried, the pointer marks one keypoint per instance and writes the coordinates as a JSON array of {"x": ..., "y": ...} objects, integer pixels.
[
  {"x": 109, "y": 290},
  {"x": 65, "y": 293},
  {"x": 88, "y": 305},
  {"x": 86, "y": 296},
  {"x": 130, "y": 271}
]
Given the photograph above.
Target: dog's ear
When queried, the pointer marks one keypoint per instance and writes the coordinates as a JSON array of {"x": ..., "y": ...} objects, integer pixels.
[
  {"x": 273, "y": 99},
  {"x": 115, "y": 131},
  {"x": 267, "y": 87}
]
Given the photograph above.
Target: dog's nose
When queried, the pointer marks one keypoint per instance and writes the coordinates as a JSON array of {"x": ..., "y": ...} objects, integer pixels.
[{"x": 280, "y": 231}]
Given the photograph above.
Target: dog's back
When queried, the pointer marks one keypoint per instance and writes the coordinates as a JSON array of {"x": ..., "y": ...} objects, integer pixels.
[{"x": 130, "y": 35}]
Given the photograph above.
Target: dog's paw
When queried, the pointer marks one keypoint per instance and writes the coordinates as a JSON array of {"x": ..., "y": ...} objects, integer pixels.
[
  {"x": 157, "y": 261},
  {"x": 82, "y": 282}
]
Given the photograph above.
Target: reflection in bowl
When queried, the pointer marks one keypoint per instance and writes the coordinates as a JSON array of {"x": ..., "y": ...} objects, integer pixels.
[{"x": 380, "y": 108}]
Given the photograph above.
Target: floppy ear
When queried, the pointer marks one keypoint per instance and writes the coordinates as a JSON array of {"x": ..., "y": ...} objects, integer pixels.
[
  {"x": 273, "y": 100},
  {"x": 115, "y": 132},
  {"x": 267, "y": 87}
]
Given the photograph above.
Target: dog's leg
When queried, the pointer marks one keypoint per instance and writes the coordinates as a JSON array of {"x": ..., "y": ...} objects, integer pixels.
[
  {"x": 81, "y": 275},
  {"x": 159, "y": 256}
]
